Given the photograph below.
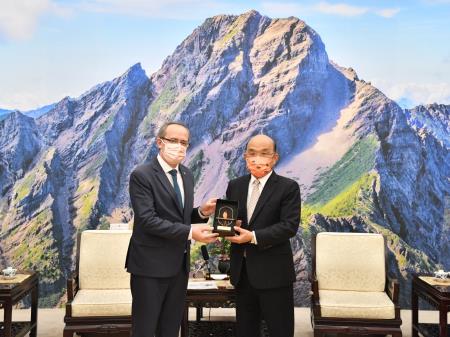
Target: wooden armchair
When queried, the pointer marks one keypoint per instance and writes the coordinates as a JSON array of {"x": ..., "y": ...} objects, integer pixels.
[
  {"x": 351, "y": 293},
  {"x": 98, "y": 294}
]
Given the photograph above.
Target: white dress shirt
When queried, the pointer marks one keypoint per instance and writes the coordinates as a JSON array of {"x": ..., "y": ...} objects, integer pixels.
[
  {"x": 262, "y": 183},
  {"x": 167, "y": 168}
]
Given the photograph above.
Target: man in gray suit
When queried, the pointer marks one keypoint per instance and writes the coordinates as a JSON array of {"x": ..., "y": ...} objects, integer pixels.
[{"x": 162, "y": 197}]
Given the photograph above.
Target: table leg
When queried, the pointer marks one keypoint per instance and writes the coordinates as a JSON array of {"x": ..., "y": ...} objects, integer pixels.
[
  {"x": 34, "y": 309},
  {"x": 199, "y": 314},
  {"x": 7, "y": 318},
  {"x": 443, "y": 320},
  {"x": 415, "y": 312},
  {"x": 184, "y": 321}
]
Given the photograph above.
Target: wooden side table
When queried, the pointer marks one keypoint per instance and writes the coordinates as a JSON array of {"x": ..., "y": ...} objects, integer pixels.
[
  {"x": 11, "y": 292},
  {"x": 438, "y": 295},
  {"x": 224, "y": 296}
]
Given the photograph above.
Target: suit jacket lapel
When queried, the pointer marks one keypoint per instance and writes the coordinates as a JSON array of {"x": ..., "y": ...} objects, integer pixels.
[
  {"x": 265, "y": 195},
  {"x": 162, "y": 177}
]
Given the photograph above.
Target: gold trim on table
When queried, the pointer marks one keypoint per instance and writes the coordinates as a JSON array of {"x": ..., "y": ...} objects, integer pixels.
[
  {"x": 224, "y": 284},
  {"x": 18, "y": 278},
  {"x": 435, "y": 281}
]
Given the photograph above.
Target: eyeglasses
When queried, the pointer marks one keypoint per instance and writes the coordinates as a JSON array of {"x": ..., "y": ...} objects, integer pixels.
[
  {"x": 176, "y": 141},
  {"x": 259, "y": 154}
]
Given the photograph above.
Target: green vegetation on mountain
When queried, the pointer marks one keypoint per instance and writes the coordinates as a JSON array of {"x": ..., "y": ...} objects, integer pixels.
[
  {"x": 353, "y": 200},
  {"x": 23, "y": 187},
  {"x": 165, "y": 99},
  {"x": 37, "y": 249},
  {"x": 356, "y": 162},
  {"x": 100, "y": 131},
  {"x": 86, "y": 198},
  {"x": 196, "y": 165},
  {"x": 92, "y": 168},
  {"x": 233, "y": 30}
]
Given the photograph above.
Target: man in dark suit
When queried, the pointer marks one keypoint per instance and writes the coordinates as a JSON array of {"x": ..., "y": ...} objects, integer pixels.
[
  {"x": 162, "y": 196},
  {"x": 262, "y": 268}
]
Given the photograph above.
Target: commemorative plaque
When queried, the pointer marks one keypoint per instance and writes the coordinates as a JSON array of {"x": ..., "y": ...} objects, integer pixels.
[{"x": 225, "y": 217}]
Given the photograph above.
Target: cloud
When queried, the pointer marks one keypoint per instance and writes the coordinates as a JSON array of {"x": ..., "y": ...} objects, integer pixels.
[
  {"x": 167, "y": 9},
  {"x": 283, "y": 9},
  {"x": 324, "y": 7},
  {"x": 343, "y": 9},
  {"x": 340, "y": 9},
  {"x": 388, "y": 12},
  {"x": 19, "y": 18},
  {"x": 437, "y": 2},
  {"x": 131, "y": 7},
  {"x": 26, "y": 98},
  {"x": 417, "y": 93}
]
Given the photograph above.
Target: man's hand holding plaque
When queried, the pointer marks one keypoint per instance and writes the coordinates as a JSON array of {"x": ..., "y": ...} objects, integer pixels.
[
  {"x": 242, "y": 235},
  {"x": 225, "y": 217}
]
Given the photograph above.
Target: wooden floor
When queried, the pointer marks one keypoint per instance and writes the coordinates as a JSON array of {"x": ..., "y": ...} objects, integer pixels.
[{"x": 50, "y": 321}]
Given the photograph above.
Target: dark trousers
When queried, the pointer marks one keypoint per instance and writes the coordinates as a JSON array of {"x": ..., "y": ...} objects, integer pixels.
[
  {"x": 275, "y": 306},
  {"x": 158, "y": 305}
]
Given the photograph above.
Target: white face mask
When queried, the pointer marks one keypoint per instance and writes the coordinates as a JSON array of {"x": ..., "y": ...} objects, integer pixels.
[{"x": 175, "y": 152}]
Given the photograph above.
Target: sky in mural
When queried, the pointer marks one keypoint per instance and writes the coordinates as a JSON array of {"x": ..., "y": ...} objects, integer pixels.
[{"x": 50, "y": 49}]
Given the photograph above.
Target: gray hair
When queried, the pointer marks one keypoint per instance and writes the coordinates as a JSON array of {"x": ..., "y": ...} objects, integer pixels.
[{"x": 163, "y": 128}]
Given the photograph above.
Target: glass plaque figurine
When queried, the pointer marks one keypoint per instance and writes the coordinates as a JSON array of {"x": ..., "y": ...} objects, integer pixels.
[{"x": 225, "y": 217}]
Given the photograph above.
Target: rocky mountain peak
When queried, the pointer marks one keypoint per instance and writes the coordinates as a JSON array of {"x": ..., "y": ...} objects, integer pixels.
[
  {"x": 134, "y": 76},
  {"x": 15, "y": 126},
  {"x": 20, "y": 142},
  {"x": 432, "y": 119}
]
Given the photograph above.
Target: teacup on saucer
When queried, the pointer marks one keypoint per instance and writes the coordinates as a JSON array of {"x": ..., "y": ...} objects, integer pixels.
[{"x": 9, "y": 272}]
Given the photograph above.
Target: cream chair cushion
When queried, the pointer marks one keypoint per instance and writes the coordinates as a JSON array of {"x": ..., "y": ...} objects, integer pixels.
[
  {"x": 102, "y": 259},
  {"x": 96, "y": 302},
  {"x": 350, "y": 261},
  {"x": 356, "y": 304}
]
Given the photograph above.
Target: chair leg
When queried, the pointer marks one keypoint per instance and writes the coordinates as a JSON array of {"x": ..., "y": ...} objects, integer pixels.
[{"x": 67, "y": 333}]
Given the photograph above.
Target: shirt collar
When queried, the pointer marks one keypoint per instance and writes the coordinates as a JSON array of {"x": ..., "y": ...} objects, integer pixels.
[
  {"x": 262, "y": 180},
  {"x": 166, "y": 167}
]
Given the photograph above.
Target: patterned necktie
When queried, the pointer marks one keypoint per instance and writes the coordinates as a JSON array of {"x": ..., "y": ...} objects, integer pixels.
[
  {"x": 253, "y": 199},
  {"x": 176, "y": 187}
]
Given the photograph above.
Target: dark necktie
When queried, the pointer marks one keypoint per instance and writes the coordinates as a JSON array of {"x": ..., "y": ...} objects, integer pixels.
[{"x": 176, "y": 187}]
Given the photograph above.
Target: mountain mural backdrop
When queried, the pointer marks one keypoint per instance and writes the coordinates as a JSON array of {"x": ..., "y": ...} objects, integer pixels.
[{"x": 363, "y": 163}]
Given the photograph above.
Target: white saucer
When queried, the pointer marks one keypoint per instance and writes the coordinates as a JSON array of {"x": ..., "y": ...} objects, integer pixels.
[{"x": 218, "y": 277}]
